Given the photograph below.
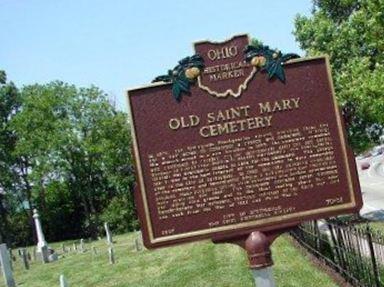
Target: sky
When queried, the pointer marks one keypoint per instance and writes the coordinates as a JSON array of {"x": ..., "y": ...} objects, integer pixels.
[{"x": 117, "y": 45}]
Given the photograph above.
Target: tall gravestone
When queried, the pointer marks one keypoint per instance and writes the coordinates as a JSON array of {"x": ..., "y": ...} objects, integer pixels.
[
  {"x": 42, "y": 245},
  {"x": 108, "y": 233},
  {"x": 5, "y": 262}
]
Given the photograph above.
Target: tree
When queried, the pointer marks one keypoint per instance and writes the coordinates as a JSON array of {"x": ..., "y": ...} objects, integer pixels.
[
  {"x": 350, "y": 32},
  {"x": 77, "y": 149},
  {"x": 10, "y": 198}
]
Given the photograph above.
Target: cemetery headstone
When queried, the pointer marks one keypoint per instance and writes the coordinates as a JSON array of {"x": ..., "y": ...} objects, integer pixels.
[
  {"x": 13, "y": 258},
  {"x": 94, "y": 250},
  {"x": 108, "y": 234},
  {"x": 74, "y": 246},
  {"x": 34, "y": 254},
  {"x": 82, "y": 249},
  {"x": 42, "y": 245},
  {"x": 63, "y": 281},
  {"x": 53, "y": 257},
  {"x": 24, "y": 257},
  {"x": 44, "y": 254},
  {"x": 257, "y": 147},
  {"x": 5, "y": 262},
  {"x": 111, "y": 254},
  {"x": 137, "y": 244}
]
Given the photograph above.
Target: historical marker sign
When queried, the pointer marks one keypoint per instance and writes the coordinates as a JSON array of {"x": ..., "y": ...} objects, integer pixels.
[{"x": 241, "y": 152}]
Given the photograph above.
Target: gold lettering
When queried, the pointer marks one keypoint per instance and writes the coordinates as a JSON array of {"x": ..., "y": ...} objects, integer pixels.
[
  {"x": 223, "y": 129},
  {"x": 235, "y": 126},
  {"x": 195, "y": 120},
  {"x": 265, "y": 107},
  {"x": 242, "y": 124},
  {"x": 276, "y": 107},
  {"x": 268, "y": 120},
  {"x": 259, "y": 122},
  {"x": 183, "y": 122},
  {"x": 204, "y": 132},
  {"x": 286, "y": 104},
  {"x": 229, "y": 114},
  {"x": 211, "y": 117},
  {"x": 174, "y": 124},
  {"x": 296, "y": 102},
  {"x": 251, "y": 123},
  {"x": 223, "y": 53}
]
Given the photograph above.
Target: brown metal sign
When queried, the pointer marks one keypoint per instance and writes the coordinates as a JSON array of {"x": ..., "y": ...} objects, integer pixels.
[{"x": 271, "y": 154}]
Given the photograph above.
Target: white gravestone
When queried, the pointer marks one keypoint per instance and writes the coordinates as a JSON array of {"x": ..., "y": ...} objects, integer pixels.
[
  {"x": 137, "y": 244},
  {"x": 42, "y": 245},
  {"x": 5, "y": 263},
  {"x": 82, "y": 249},
  {"x": 53, "y": 257},
  {"x": 108, "y": 234},
  {"x": 111, "y": 254},
  {"x": 63, "y": 281}
]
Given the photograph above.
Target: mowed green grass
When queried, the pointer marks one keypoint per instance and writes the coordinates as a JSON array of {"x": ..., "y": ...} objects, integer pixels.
[
  {"x": 377, "y": 226},
  {"x": 199, "y": 264}
]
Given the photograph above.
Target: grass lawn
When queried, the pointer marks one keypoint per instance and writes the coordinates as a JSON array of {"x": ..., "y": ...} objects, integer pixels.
[
  {"x": 198, "y": 264},
  {"x": 377, "y": 226}
]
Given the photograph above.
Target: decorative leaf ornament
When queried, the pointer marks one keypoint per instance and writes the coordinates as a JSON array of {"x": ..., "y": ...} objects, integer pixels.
[
  {"x": 268, "y": 60},
  {"x": 183, "y": 75},
  {"x": 189, "y": 69}
]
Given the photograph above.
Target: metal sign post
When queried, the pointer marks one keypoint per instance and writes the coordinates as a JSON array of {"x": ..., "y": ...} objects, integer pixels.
[
  {"x": 263, "y": 277},
  {"x": 260, "y": 258}
]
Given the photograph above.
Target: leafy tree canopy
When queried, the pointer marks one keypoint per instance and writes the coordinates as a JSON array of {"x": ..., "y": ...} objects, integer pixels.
[
  {"x": 350, "y": 32},
  {"x": 66, "y": 151}
]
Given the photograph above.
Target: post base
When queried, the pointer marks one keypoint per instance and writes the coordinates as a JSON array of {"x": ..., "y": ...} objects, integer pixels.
[{"x": 257, "y": 244}]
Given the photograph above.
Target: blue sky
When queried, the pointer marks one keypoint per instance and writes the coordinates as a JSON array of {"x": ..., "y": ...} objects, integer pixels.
[{"x": 117, "y": 45}]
